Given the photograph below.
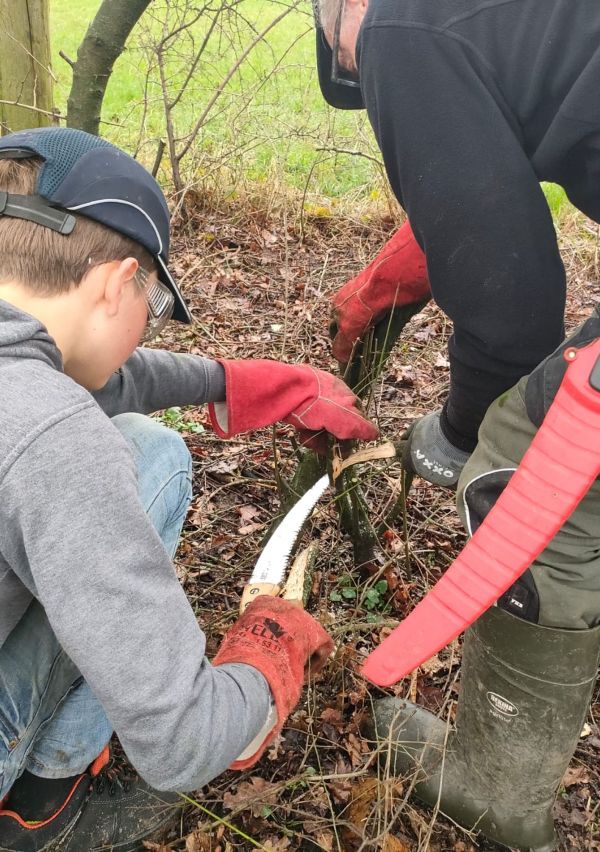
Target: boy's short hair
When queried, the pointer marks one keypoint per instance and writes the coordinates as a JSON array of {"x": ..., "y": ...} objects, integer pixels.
[
  {"x": 45, "y": 261},
  {"x": 76, "y": 181}
]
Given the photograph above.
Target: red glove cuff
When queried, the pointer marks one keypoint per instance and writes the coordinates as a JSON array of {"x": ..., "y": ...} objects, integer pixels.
[
  {"x": 396, "y": 277},
  {"x": 261, "y": 392}
]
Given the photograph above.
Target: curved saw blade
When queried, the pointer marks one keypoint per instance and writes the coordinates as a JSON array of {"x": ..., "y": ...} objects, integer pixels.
[{"x": 272, "y": 563}]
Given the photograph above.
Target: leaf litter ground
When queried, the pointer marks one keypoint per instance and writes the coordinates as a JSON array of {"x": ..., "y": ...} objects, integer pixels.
[{"x": 260, "y": 288}]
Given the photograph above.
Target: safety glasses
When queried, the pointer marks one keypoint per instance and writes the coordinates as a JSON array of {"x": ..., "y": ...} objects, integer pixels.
[
  {"x": 159, "y": 301},
  {"x": 338, "y": 74}
]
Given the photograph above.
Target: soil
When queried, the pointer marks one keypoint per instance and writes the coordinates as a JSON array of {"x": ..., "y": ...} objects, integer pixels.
[{"x": 260, "y": 286}]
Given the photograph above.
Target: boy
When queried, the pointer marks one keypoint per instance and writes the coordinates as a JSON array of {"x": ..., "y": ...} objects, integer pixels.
[{"x": 96, "y": 634}]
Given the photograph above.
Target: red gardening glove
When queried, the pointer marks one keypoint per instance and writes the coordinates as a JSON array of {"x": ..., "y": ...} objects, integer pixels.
[
  {"x": 397, "y": 276},
  {"x": 259, "y": 393},
  {"x": 284, "y": 643}
]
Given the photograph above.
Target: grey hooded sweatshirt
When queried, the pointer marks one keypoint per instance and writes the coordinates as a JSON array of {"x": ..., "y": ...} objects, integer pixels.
[{"x": 74, "y": 535}]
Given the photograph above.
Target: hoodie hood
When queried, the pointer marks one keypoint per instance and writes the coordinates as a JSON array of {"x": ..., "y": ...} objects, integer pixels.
[{"x": 23, "y": 336}]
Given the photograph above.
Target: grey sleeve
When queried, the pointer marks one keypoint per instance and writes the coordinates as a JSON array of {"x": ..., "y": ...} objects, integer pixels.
[
  {"x": 153, "y": 379},
  {"x": 79, "y": 537}
]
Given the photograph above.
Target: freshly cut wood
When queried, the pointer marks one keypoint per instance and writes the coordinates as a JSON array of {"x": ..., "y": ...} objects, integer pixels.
[
  {"x": 383, "y": 451},
  {"x": 299, "y": 581}
]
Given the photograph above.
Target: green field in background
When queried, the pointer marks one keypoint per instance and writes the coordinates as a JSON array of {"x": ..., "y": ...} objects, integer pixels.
[
  {"x": 267, "y": 127},
  {"x": 274, "y": 134}
]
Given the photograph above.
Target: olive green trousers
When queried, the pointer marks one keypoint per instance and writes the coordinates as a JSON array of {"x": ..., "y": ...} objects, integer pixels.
[{"x": 565, "y": 579}]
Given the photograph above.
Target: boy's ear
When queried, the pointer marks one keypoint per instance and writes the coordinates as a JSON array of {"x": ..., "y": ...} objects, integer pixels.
[{"x": 117, "y": 276}]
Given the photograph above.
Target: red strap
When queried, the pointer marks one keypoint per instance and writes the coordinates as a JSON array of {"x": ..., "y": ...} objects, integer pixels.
[{"x": 555, "y": 473}]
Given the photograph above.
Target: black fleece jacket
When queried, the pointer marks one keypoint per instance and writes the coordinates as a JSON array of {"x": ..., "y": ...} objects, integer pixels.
[{"x": 473, "y": 103}]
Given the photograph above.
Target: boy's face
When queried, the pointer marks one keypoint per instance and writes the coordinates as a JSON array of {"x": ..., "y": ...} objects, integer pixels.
[{"x": 113, "y": 319}]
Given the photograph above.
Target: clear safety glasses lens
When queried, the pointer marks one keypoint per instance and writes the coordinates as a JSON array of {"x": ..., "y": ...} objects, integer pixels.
[
  {"x": 339, "y": 75},
  {"x": 159, "y": 301}
]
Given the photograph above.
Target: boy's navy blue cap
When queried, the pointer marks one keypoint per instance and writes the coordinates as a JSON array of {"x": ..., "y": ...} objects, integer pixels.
[
  {"x": 89, "y": 176},
  {"x": 336, "y": 94}
]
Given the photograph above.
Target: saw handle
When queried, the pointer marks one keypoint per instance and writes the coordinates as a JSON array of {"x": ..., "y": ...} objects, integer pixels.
[{"x": 253, "y": 590}]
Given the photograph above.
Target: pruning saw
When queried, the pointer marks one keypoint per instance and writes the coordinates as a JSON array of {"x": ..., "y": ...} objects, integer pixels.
[
  {"x": 269, "y": 571},
  {"x": 270, "y": 568}
]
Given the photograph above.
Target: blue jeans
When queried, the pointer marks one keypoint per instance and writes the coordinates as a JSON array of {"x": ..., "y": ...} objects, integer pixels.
[{"x": 50, "y": 722}]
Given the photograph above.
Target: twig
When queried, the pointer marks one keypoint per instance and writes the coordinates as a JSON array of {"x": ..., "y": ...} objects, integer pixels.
[
  {"x": 51, "y": 113},
  {"x": 160, "y": 150},
  {"x": 67, "y": 59},
  {"x": 352, "y": 154},
  {"x": 221, "y": 88}
]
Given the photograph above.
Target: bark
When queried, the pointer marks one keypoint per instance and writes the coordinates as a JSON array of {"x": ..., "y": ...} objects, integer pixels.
[
  {"x": 102, "y": 45},
  {"x": 25, "y": 74}
]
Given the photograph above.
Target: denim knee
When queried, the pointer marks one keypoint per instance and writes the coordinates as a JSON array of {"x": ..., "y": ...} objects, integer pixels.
[{"x": 164, "y": 471}]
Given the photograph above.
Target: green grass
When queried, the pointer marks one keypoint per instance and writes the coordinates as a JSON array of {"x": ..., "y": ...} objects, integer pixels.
[{"x": 267, "y": 125}]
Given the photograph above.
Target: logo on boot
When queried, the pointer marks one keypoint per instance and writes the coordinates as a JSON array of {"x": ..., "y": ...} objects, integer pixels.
[
  {"x": 435, "y": 467},
  {"x": 502, "y": 705}
]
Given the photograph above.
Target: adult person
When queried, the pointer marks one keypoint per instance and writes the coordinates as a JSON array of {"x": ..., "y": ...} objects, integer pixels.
[{"x": 472, "y": 104}]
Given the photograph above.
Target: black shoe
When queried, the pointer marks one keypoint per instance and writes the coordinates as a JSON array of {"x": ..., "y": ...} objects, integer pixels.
[{"x": 107, "y": 807}]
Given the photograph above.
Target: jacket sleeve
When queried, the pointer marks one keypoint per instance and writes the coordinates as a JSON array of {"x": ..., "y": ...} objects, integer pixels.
[
  {"x": 79, "y": 538},
  {"x": 153, "y": 379},
  {"x": 456, "y": 163}
]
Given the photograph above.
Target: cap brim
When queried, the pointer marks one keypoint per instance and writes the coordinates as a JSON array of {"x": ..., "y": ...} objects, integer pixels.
[
  {"x": 181, "y": 311},
  {"x": 336, "y": 95}
]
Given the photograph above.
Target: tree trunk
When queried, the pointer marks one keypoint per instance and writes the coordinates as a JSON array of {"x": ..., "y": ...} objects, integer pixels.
[
  {"x": 101, "y": 47},
  {"x": 25, "y": 75}
]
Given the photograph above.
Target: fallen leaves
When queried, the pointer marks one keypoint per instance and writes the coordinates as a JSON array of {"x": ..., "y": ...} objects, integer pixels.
[
  {"x": 576, "y": 775},
  {"x": 253, "y": 795},
  {"x": 246, "y": 288},
  {"x": 248, "y": 523}
]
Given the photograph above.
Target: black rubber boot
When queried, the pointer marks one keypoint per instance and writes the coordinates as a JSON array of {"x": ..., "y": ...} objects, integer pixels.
[
  {"x": 107, "y": 807},
  {"x": 525, "y": 693}
]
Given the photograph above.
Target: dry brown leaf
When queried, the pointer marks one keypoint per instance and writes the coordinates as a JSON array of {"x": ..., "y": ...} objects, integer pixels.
[
  {"x": 277, "y": 844},
  {"x": 332, "y": 716},
  {"x": 394, "y": 844},
  {"x": 325, "y": 840},
  {"x": 250, "y": 528},
  {"x": 433, "y": 665},
  {"x": 356, "y": 749},
  {"x": 340, "y": 790},
  {"x": 405, "y": 375},
  {"x": 198, "y": 841},
  {"x": 576, "y": 775},
  {"x": 364, "y": 795},
  {"x": 248, "y": 512},
  {"x": 251, "y": 795}
]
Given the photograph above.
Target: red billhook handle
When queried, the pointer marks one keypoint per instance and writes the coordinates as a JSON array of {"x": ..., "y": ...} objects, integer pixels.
[{"x": 556, "y": 472}]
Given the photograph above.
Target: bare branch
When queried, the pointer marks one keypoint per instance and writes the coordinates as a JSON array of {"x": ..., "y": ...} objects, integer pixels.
[
  {"x": 229, "y": 75},
  {"x": 67, "y": 59}
]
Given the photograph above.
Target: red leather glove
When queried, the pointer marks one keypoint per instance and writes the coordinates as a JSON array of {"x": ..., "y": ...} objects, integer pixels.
[
  {"x": 284, "y": 643},
  {"x": 397, "y": 276},
  {"x": 259, "y": 393}
]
